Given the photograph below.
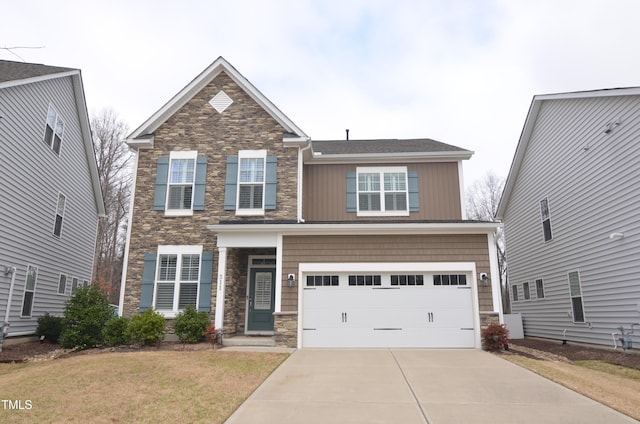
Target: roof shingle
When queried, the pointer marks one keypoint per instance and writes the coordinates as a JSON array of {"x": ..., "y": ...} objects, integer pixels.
[
  {"x": 13, "y": 71},
  {"x": 418, "y": 145}
]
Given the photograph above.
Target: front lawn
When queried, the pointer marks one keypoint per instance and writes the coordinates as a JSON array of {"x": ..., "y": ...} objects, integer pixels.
[{"x": 149, "y": 386}]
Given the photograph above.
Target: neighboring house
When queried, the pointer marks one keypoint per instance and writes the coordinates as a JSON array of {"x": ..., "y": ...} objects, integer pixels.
[
  {"x": 50, "y": 197},
  {"x": 571, "y": 209},
  {"x": 319, "y": 243}
]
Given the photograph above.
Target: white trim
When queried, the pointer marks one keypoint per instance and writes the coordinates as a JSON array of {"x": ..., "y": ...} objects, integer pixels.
[
  {"x": 247, "y": 240},
  {"x": 234, "y": 230},
  {"x": 179, "y": 251},
  {"x": 496, "y": 290},
  {"x": 405, "y": 157},
  {"x": 251, "y": 154},
  {"x": 195, "y": 86},
  {"x": 278, "y": 300},
  {"x": 246, "y": 306},
  {"x": 220, "y": 289},
  {"x": 125, "y": 259},
  {"x": 381, "y": 171},
  {"x": 389, "y": 267},
  {"x": 463, "y": 203},
  {"x": 13, "y": 83},
  {"x": 179, "y": 155}
]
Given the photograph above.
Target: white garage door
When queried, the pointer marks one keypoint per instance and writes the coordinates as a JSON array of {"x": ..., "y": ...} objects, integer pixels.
[{"x": 388, "y": 310}]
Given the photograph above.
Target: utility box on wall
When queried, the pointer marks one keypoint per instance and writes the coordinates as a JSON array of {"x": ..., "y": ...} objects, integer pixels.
[{"x": 513, "y": 322}]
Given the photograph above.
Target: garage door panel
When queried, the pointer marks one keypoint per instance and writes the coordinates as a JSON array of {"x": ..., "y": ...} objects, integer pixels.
[{"x": 426, "y": 316}]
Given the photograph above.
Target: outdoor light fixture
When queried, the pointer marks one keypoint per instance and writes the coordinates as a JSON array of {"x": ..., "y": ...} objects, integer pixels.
[
  {"x": 484, "y": 278},
  {"x": 291, "y": 279}
]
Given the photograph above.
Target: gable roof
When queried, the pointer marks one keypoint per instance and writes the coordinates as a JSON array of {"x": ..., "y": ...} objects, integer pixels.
[
  {"x": 385, "y": 149},
  {"x": 143, "y": 135},
  {"x": 21, "y": 73},
  {"x": 529, "y": 124}
]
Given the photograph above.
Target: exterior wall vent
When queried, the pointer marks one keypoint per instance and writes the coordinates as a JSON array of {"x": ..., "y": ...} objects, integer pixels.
[{"x": 220, "y": 101}]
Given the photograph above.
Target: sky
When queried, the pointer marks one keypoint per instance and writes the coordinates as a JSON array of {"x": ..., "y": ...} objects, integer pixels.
[{"x": 460, "y": 72}]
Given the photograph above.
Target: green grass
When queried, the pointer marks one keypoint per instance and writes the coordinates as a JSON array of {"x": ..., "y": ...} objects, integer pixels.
[{"x": 164, "y": 386}]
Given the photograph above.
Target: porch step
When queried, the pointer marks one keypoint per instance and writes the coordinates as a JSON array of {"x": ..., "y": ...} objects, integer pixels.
[{"x": 259, "y": 341}]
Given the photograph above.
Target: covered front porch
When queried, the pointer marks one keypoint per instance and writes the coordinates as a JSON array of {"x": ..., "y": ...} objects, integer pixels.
[{"x": 247, "y": 290}]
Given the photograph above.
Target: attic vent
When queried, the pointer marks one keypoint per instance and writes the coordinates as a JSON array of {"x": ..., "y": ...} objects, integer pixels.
[{"x": 221, "y": 101}]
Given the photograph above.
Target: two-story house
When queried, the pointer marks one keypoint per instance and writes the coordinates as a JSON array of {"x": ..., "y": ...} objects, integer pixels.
[
  {"x": 570, "y": 209},
  {"x": 50, "y": 192},
  {"x": 359, "y": 243}
]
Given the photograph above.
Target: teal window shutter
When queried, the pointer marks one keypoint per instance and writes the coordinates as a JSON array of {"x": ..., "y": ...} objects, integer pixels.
[
  {"x": 352, "y": 194},
  {"x": 148, "y": 279},
  {"x": 162, "y": 174},
  {"x": 201, "y": 180},
  {"x": 271, "y": 183},
  {"x": 231, "y": 184},
  {"x": 414, "y": 200},
  {"x": 206, "y": 278}
]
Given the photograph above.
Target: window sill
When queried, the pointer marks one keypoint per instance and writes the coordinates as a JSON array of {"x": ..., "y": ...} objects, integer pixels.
[
  {"x": 378, "y": 213},
  {"x": 249, "y": 212},
  {"x": 178, "y": 212}
]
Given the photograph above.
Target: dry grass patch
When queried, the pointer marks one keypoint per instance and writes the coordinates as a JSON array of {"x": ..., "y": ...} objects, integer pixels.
[
  {"x": 615, "y": 386},
  {"x": 164, "y": 386}
]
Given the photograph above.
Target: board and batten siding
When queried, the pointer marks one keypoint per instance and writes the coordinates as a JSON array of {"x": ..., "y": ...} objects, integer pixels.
[
  {"x": 592, "y": 184},
  {"x": 325, "y": 191},
  {"x": 383, "y": 248},
  {"x": 32, "y": 175}
]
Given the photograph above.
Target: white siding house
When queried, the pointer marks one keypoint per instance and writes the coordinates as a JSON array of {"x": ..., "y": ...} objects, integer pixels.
[
  {"x": 50, "y": 197},
  {"x": 571, "y": 212}
]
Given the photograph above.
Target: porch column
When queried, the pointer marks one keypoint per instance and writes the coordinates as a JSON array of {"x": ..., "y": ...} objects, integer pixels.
[
  {"x": 222, "y": 273},
  {"x": 496, "y": 288},
  {"x": 278, "y": 300}
]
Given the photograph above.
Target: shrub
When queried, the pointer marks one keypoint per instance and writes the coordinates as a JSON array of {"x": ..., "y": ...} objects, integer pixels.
[
  {"x": 114, "y": 332},
  {"x": 50, "y": 327},
  {"x": 84, "y": 317},
  {"x": 190, "y": 325},
  {"x": 495, "y": 337},
  {"x": 146, "y": 328}
]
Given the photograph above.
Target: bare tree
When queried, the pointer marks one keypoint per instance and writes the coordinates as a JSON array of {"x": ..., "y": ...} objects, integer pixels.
[
  {"x": 113, "y": 158},
  {"x": 483, "y": 198}
]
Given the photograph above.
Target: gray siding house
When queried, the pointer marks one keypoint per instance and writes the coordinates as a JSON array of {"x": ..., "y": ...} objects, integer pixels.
[
  {"x": 50, "y": 197},
  {"x": 571, "y": 209}
]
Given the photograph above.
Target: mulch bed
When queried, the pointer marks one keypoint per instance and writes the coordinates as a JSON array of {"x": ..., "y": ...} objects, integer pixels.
[
  {"x": 545, "y": 349},
  {"x": 36, "y": 351},
  {"x": 555, "y": 350}
]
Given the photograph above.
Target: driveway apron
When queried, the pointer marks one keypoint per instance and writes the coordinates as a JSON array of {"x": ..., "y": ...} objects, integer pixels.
[{"x": 434, "y": 386}]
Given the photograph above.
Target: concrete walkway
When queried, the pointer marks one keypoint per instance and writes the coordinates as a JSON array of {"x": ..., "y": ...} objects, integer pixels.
[{"x": 414, "y": 386}]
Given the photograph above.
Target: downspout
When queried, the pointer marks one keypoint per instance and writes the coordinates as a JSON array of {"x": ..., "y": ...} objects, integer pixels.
[
  {"x": 4, "y": 325},
  {"x": 300, "y": 174},
  {"x": 125, "y": 259}
]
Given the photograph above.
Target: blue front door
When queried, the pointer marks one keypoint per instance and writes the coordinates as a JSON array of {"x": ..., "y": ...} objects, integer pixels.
[{"x": 262, "y": 296}]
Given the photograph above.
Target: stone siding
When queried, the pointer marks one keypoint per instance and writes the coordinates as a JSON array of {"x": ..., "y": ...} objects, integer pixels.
[
  {"x": 286, "y": 329},
  {"x": 244, "y": 125}
]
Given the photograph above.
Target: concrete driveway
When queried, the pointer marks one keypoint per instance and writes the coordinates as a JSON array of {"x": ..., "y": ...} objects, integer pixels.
[{"x": 414, "y": 386}]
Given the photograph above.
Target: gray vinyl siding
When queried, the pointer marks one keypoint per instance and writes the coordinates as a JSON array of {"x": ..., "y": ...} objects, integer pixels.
[
  {"x": 32, "y": 176},
  {"x": 592, "y": 193}
]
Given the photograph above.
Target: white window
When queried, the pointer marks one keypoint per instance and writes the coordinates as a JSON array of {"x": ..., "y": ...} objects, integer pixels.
[
  {"x": 575, "y": 289},
  {"x": 74, "y": 286},
  {"x": 514, "y": 293},
  {"x": 251, "y": 179},
  {"x": 539, "y": 289},
  {"x": 181, "y": 181},
  {"x": 526, "y": 291},
  {"x": 53, "y": 130},
  {"x": 382, "y": 191},
  {"x": 177, "y": 278},
  {"x": 546, "y": 219},
  {"x": 62, "y": 284},
  {"x": 29, "y": 291},
  {"x": 57, "y": 226}
]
